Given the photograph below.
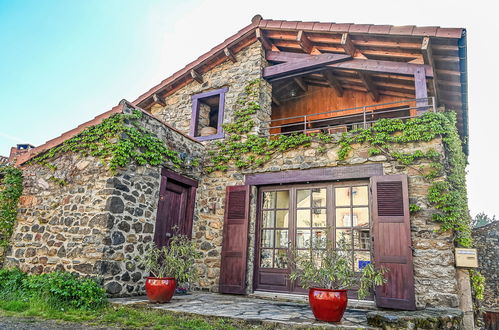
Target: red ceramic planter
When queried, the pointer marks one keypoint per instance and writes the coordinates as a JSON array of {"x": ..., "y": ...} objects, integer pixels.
[
  {"x": 328, "y": 305},
  {"x": 160, "y": 289}
]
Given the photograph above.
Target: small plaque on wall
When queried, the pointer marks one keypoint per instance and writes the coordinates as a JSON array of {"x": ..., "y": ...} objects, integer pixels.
[{"x": 467, "y": 258}]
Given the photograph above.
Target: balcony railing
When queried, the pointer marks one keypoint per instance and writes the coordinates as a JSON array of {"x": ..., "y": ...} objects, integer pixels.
[{"x": 343, "y": 120}]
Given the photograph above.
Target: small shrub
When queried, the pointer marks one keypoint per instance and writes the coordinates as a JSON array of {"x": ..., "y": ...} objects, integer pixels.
[{"x": 56, "y": 290}]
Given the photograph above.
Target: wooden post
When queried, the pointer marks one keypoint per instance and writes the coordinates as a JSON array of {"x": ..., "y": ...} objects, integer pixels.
[{"x": 421, "y": 90}]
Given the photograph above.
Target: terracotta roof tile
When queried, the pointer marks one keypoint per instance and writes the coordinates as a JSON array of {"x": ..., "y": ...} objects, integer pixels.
[
  {"x": 274, "y": 24},
  {"x": 343, "y": 27},
  {"x": 379, "y": 29},
  {"x": 425, "y": 31},
  {"x": 305, "y": 25},
  {"x": 404, "y": 30},
  {"x": 322, "y": 26},
  {"x": 289, "y": 24},
  {"x": 449, "y": 33},
  {"x": 359, "y": 28}
]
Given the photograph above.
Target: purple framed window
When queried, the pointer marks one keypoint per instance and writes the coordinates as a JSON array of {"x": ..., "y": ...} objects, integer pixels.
[{"x": 208, "y": 115}]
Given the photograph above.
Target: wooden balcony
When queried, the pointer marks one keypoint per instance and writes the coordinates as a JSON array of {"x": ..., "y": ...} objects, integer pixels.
[{"x": 344, "y": 120}]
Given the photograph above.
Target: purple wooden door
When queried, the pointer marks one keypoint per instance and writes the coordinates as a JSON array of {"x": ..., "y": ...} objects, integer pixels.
[
  {"x": 235, "y": 240},
  {"x": 392, "y": 241},
  {"x": 175, "y": 208}
]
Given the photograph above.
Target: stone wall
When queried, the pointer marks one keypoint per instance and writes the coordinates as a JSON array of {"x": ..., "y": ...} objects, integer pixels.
[
  {"x": 76, "y": 215},
  {"x": 486, "y": 240}
]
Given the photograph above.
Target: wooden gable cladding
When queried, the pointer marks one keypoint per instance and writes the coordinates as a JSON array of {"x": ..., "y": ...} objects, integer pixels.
[
  {"x": 392, "y": 241},
  {"x": 235, "y": 240}
]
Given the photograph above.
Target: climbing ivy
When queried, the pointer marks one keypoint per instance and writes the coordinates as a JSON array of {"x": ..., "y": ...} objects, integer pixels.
[
  {"x": 120, "y": 140},
  {"x": 11, "y": 187}
]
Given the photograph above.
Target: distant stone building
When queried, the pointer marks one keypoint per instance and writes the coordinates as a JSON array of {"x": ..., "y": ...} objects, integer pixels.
[{"x": 266, "y": 114}]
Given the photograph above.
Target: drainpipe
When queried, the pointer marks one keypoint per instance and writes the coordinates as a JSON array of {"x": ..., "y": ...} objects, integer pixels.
[{"x": 465, "y": 300}]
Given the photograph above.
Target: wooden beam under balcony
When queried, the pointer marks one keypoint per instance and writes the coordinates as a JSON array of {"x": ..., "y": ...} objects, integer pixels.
[
  {"x": 301, "y": 83},
  {"x": 333, "y": 82},
  {"x": 369, "y": 85}
]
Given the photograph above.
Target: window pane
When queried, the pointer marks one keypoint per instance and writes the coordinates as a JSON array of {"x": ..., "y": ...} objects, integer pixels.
[
  {"x": 343, "y": 217},
  {"x": 281, "y": 238},
  {"x": 303, "y": 198},
  {"x": 266, "y": 259},
  {"x": 268, "y": 219},
  {"x": 360, "y": 196},
  {"x": 269, "y": 200},
  {"x": 303, "y": 238},
  {"x": 344, "y": 235},
  {"x": 303, "y": 218},
  {"x": 319, "y": 239},
  {"x": 268, "y": 238},
  {"x": 281, "y": 259},
  {"x": 342, "y": 196},
  {"x": 361, "y": 259},
  {"x": 319, "y": 197},
  {"x": 361, "y": 217},
  {"x": 319, "y": 218},
  {"x": 282, "y": 219},
  {"x": 361, "y": 239},
  {"x": 282, "y": 199}
]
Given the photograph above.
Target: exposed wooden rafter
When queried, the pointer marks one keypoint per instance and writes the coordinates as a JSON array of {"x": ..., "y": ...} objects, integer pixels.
[
  {"x": 426, "y": 49},
  {"x": 158, "y": 100},
  {"x": 229, "y": 54},
  {"x": 352, "y": 64},
  {"x": 306, "y": 45},
  {"x": 276, "y": 101},
  {"x": 333, "y": 82},
  {"x": 347, "y": 44},
  {"x": 310, "y": 62},
  {"x": 301, "y": 83},
  {"x": 369, "y": 85},
  {"x": 196, "y": 76},
  {"x": 265, "y": 42}
]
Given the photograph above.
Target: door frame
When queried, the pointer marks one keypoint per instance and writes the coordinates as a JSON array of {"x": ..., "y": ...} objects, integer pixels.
[{"x": 170, "y": 176}]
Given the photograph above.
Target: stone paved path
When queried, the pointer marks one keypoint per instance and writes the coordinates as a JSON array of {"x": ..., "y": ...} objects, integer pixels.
[{"x": 248, "y": 308}]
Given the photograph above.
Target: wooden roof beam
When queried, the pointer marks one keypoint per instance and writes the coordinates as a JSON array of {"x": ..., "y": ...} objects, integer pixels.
[
  {"x": 230, "y": 55},
  {"x": 426, "y": 49},
  {"x": 369, "y": 85},
  {"x": 302, "y": 65},
  {"x": 347, "y": 44},
  {"x": 196, "y": 76},
  {"x": 352, "y": 64},
  {"x": 158, "y": 100},
  {"x": 306, "y": 45},
  {"x": 333, "y": 82},
  {"x": 266, "y": 43},
  {"x": 276, "y": 101},
  {"x": 301, "y": 83}
]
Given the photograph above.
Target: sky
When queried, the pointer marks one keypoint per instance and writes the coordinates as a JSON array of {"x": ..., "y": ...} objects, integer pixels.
[{"x": 63, "y": 62}]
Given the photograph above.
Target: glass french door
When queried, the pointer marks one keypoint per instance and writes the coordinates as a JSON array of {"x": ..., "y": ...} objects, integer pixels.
[{"x": 305, "y": 218}]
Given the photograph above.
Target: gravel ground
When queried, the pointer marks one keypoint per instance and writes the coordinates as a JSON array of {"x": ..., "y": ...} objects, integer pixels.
[{"x": 22, "y": 323}]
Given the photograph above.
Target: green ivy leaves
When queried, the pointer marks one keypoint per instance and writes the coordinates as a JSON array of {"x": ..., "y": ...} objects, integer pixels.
[{"x": 11, "y": 189}]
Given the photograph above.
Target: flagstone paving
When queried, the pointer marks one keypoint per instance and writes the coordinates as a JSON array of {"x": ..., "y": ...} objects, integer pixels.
[{"x": 250, "y": 309}]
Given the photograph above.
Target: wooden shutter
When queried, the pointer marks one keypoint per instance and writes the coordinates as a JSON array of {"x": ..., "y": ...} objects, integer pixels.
[
  {"x": 235, "y": 240},
  {"x": 392, "y": 241}
]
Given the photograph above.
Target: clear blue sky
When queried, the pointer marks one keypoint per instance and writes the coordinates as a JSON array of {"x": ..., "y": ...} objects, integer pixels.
[{"x": 62, "y": 62}]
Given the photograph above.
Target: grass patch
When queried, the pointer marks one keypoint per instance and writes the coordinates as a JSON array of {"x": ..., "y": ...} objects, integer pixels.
[{"x": 129, "y": 317}]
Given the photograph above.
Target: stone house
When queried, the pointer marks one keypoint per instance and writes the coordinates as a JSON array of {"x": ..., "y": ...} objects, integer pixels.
[{"x": 288, "y": 133}]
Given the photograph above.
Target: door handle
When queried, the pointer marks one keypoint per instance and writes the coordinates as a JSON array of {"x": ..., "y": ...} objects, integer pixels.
[{"x": 168, "y": 235}]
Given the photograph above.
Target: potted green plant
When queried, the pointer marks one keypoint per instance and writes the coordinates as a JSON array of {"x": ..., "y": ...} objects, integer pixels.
[
  {"x": 328, "y": 275},
  {"x": 169, "y": 265}
]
